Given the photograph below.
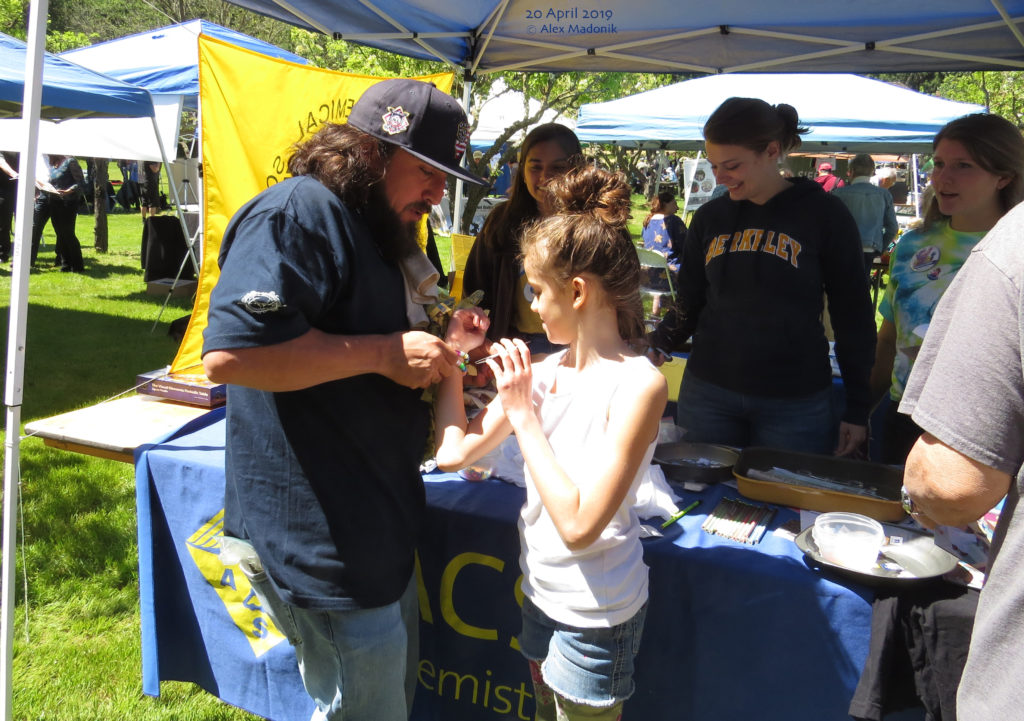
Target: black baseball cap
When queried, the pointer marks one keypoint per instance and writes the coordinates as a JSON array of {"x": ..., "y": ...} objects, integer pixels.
[{"x": 418, "y": 118}]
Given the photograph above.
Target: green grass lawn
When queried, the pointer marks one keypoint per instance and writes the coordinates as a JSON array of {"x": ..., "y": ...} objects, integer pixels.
[{"x": 79, "y": 656}]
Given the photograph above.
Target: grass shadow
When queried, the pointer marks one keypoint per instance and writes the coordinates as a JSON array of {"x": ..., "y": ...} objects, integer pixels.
[{"x": 75, "y": 358}]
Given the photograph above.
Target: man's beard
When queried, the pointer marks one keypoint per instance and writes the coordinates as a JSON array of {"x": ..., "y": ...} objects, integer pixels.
[{"x": 394, "y": 238}]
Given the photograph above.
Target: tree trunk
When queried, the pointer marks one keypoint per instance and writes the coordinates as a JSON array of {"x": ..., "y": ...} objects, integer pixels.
[{"x": 99, "y": 196}]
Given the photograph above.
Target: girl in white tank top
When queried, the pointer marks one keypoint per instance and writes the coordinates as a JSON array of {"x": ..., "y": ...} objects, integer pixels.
[{"x": 587, "y": 421}]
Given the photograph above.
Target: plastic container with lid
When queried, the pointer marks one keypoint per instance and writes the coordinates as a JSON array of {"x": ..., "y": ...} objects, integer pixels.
[{"x": 850, "y": 540}]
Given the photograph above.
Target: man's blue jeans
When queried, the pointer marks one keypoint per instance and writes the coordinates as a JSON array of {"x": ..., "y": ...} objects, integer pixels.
[{"x": 357, "y": 665}]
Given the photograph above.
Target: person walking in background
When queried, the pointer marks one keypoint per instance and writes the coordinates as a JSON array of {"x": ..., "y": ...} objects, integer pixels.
[
  {"x": 755, "y": 263},
  {"x": 326, "y": 422},
  {"x": 57, "y": 201},
  {"x": 898, "y": 188},
  {"x": 8, "y": 197},
  {"x": 827, "y": 179},
  {"x": 977, "y": 176},
  {"x": 586, "y": 419},
  {"x": 128, "y": 194},
  {"x": 871, "y": 207},
  {"x": 149, "y": 190},
  {"x": 663, "y": 232},
  {"x": 494, "y": 266}
]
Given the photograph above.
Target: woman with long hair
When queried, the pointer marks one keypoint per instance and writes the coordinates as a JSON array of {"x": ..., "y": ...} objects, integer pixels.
[
  {"x": 757, "y": 264},
  {"x": 664, "y": 231},
  {"x": 977, "y": 176},
  {"x": 494, "y": 265}
]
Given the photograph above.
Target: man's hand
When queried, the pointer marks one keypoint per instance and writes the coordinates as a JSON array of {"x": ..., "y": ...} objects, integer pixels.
[
  {"x": 851, "y": 439},
  {"x": 420, "y": 360}
]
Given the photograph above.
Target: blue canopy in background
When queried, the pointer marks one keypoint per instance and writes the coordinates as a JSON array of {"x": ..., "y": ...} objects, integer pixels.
[
  {"x": 69, "y": 91},
  {"x": 865, "y": 36},
  {"x": 166, "y": 60},
  {"x": 843, "y": 112}
]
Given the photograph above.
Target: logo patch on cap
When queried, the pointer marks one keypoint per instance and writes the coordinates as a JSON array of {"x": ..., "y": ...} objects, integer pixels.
[
  {"x": 461, "y": 140},
  {"x": 396, "y": 120}
]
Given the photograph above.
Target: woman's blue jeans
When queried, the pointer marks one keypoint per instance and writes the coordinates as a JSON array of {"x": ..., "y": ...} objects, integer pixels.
[{"x": 712, "y": 414}]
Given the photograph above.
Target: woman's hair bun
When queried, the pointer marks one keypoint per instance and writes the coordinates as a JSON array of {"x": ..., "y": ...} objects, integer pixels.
[{"x": 590, "y": 190}]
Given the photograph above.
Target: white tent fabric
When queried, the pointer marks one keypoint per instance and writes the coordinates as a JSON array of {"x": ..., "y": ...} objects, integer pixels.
[
  {"x": 662, "y": 36},
  {"x": 845, "y": 113},
  {"x": 107, "y": 137}
]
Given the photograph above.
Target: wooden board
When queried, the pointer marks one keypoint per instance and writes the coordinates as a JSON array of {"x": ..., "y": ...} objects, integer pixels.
[{"x": 116, "y": 428}]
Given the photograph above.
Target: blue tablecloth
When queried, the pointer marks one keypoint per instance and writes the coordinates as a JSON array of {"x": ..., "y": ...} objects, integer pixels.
[{"x": 733, "y": 631}]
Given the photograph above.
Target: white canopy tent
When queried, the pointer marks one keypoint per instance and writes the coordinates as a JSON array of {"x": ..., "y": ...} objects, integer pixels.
[{"x": 844, "y": 113}]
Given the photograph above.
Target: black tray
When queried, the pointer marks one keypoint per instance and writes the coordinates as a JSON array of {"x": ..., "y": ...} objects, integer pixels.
[{"x": 683, "y": 461}]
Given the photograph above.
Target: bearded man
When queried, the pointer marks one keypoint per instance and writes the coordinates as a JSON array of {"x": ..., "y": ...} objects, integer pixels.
[{"x": 326, "y": 425}]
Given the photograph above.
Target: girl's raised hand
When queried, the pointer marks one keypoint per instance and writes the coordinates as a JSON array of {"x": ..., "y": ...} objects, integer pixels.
[
  {"x": 513, "y": 377},
  {"x": 467, "y": 329}
]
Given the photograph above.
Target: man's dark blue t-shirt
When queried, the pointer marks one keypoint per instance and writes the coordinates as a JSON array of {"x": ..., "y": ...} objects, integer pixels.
[{"x": 324, "y": 481}]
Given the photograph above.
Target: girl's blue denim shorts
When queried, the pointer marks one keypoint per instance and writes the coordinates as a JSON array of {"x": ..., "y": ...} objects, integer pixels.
[{"x": 591, "y": 666}]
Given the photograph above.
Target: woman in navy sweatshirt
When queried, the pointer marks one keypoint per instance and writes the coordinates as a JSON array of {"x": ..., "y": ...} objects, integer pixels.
[{"x": 757, "y": 265}]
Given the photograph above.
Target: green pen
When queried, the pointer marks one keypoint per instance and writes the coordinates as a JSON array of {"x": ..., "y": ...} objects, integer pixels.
[{"x": 681, "y": 513}]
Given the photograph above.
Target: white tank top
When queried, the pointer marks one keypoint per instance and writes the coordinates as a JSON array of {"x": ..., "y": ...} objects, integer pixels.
[{"x": 604, "y": 584}]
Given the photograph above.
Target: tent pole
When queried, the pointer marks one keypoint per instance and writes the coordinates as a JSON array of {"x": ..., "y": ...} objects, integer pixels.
[
  {"x": 467, "y": 93},
  {"x": 915, "y": 186},
  {"x": 15, "y": 375},
  {"x": 658, "y": 172},
  {"x": 177, "y": 201}
]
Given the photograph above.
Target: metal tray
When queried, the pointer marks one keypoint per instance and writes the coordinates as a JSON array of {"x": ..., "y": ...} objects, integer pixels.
[
  {"x": 854, "y": 479},
  {"x": 700, "y": 462},
  {"x": 916, "y": 559}
]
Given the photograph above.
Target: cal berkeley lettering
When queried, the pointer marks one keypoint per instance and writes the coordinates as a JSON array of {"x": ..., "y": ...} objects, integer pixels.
[{"x": 755, "y": 240}]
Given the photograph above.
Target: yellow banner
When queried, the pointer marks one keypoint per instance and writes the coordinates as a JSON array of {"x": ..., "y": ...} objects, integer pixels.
[{"x": 254, "y": 110}]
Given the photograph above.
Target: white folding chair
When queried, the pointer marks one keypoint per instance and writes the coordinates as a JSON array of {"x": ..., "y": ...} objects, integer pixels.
[{"x": 653, "y": 259}]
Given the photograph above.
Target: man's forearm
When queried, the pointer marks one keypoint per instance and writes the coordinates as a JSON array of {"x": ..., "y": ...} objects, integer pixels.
[{"x": 311, "y": 359}]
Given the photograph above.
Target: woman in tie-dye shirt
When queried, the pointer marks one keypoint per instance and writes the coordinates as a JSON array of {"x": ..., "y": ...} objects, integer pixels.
[{"x": 978, "y": 176}]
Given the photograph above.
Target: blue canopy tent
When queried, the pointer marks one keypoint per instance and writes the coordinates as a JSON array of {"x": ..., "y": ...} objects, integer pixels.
[
  {"x": 69, "y": 91},
  {"x": 729, "y": 36},
  {"x": 660, "y": 36},
  {"x": 34, "y": 85},
  {"x": 845, "y": 113},
  {"x": 165, "y": 61}
]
